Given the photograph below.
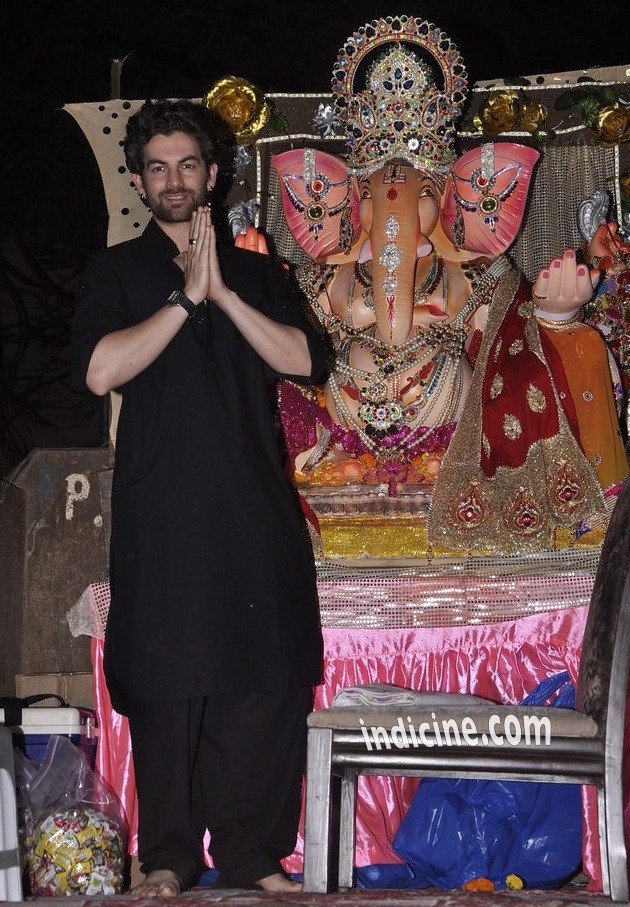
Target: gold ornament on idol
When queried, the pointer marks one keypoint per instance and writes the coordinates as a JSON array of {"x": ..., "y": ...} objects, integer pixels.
[{"x": 401, "y": 114}]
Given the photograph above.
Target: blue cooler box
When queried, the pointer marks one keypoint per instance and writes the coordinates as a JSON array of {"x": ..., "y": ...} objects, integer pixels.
[{"x": 38, "y": 724}]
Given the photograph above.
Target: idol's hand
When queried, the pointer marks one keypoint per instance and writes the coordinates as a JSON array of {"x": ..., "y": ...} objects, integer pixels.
[
  {"x": 565, "y": 285},
  {"x": 607, "y": 246},
  {"x": 253, "y": 240}
]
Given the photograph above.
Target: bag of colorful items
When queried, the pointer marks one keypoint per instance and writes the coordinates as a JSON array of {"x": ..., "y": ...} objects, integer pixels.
[{"x": 73, "y": 831}]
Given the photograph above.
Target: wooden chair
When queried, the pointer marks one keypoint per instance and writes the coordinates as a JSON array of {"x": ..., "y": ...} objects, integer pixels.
[
  {"x": 585, "y": 745},
  {"x": 10, "y": 871}
]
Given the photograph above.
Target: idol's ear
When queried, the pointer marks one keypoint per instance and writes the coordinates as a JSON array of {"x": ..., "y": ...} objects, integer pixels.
[
  {"x": 485, "y": 196},
  {"x": 320, "y": 199}
]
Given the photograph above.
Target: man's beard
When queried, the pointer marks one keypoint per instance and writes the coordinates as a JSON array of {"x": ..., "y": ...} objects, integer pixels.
[{"x": 178, "y": 215}]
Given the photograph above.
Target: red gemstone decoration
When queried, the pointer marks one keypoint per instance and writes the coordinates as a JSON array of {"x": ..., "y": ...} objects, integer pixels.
[
  {"x": 527, "y": 519},
  {"x": 392, "y": 194},
  {"x": 568, "y": 493},
  {"x": 469, "y": 512}
]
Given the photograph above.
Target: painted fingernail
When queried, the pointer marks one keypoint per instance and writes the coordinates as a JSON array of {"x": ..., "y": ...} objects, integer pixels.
[
  {"x": 557, "y": 264},
  {"x": 581, "y": 271},
  {"x": 569, "y": 253},
  {"x": 545, "y": 275}
]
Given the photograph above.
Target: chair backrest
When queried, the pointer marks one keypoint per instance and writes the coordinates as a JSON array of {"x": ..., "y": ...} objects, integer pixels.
[{"x": 603, "y": 677}]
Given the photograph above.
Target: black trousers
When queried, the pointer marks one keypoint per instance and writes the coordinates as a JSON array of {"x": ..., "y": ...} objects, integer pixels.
[{"x": 233, "y": 764}]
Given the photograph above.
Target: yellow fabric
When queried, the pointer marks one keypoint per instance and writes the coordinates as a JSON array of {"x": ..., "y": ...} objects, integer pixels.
[
  {"x": 377, "y": 537},
  {"x": 584, "y": 356},
  {"x": 405, "y": 537}
]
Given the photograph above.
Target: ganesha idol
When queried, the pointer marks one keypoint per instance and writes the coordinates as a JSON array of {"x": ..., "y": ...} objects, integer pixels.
[{"x": 447, "y": 376}]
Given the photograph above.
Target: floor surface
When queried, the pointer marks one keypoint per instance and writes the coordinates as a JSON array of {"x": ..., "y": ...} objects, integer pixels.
[{"x": 208, "y": 897}]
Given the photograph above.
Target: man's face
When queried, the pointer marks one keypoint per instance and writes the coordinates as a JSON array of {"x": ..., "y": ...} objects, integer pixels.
[{"x": 175, "y": 178}]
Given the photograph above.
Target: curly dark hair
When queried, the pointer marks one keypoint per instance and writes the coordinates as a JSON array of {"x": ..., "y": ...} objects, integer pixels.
[{"x": 164, "y": 118}]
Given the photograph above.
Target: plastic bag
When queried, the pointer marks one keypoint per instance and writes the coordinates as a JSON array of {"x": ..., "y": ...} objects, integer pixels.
[
  {"x": 74, "y": 831},
  {"x": 388, "y": 875},
  {"x": 459, "y": 830}
]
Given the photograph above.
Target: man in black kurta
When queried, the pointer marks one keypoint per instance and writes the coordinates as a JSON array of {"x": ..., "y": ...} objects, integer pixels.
[{"x": 213, "y": 641}]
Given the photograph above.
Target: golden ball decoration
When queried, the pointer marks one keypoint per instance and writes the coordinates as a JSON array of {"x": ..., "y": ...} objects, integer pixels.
[
  {"x": 508, "y": 111},
  {"x": 500, "y": 113},
  {"x": 533, "y": 116},
  {"x": 240, "y": 105},
  {"x": 612, "y": 124}
]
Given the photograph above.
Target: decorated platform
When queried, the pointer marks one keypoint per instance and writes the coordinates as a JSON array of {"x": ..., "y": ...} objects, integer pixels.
[{"x": 458, "y": 468}]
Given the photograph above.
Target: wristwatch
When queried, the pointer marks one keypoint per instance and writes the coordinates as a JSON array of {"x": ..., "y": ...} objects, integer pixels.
[{"x": 179, "y": 298}]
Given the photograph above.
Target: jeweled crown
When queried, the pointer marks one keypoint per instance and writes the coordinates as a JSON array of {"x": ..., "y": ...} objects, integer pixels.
[{"x": 401, "y": 114}]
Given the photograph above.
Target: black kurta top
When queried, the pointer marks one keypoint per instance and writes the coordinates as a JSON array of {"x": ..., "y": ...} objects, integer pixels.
[{"x": 213, "y": 583}]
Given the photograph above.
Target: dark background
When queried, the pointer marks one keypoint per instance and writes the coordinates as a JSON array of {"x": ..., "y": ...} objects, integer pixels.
[{"x": 52, "y": 200}]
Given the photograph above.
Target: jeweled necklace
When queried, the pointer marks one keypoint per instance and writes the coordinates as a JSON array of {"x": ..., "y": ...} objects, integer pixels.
[
  {"x": 371, "y": 387},
  {"x": 421, "y": 294},
  {"x": 381, "y": 427},
  {"x": 383, "y": 412},
  {"x": 450, "y": 338},
  {"x": 365, "y": 279},
  {"x": 430, "y": 283},
  {"x": 314, "y": 281}
]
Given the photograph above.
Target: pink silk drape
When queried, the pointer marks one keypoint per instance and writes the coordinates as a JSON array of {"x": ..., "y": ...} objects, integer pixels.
[{"x": 499, "y": 661}]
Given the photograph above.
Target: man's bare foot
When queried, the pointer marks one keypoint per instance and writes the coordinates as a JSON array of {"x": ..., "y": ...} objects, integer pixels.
[
  {"x": 161, "y": 883},
  {"x": 278, "y": 882}
]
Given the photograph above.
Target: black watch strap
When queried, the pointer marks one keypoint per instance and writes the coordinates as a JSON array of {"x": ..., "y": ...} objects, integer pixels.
[{"x": 179, "y": 298}]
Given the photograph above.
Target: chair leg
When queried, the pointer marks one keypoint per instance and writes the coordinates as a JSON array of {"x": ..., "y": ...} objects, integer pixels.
[
  {"x": 603, "y": 841},
  {"x": 346, "y": 829},
  {"x": 317, "y": 810},
  {"x": 612, "y": 810},
  {"x": 10, "y": 868}
]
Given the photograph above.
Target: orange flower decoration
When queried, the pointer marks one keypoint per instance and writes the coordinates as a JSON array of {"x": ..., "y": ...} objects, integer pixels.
[{"x": 480, "y": 884}]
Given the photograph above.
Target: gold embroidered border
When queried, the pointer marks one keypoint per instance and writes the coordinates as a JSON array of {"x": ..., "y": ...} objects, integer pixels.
[{"x": 517, "y": 513}]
